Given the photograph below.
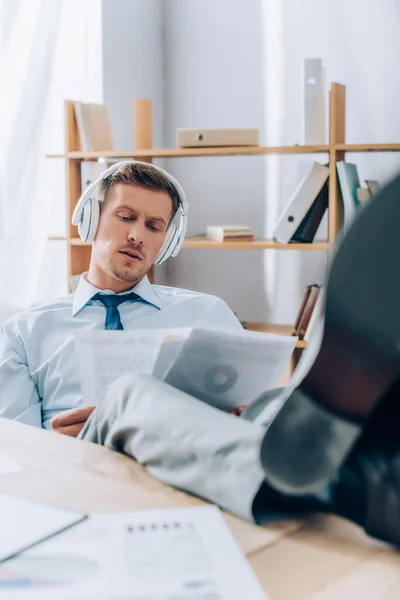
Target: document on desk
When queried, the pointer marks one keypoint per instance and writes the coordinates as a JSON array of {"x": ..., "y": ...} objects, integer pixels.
[
  {"x": 23, "y": 523},
  {"x": 227, "y": 368},
  {"x": 183, "y": 553}
]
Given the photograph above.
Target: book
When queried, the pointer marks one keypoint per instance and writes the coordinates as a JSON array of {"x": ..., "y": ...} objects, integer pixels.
[
  {"x": 316, "y": 316},
  {"x": 304, "y": 315},
  {"x": 305, "y": 233},
  {"x": 300, "y": 202},
  {"x": 93, "y": 126},
  {"x": 220, "y": 233},
  {"x": 363, "y": 194},
  {"x": 349, "y": 183},
  {"x": 301, "y": 310},
  {"x": 373, "y": 186},
  {"x": 200, "y": 138}
]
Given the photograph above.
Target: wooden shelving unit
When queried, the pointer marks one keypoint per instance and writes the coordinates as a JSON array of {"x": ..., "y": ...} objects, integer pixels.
[{"x": 79, "y": 252}]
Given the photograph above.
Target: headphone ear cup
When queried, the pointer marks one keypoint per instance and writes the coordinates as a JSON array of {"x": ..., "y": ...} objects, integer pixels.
[
  {"x": 168, "y": 245},
  {"x": 89, "y": 222}
]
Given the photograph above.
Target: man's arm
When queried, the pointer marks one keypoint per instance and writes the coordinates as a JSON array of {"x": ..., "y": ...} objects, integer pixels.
[
  {"x": 220, "y": 314},
  {"x": 19, "y": 397}
]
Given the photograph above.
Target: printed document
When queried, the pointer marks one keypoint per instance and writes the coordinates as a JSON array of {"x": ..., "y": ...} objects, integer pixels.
[
  {"x": 23, "y": 523},
  {"x": 227, "y": 368},
  {"x": 104, "y": 356},
  {"x": 180, "y": 553},
  {"x": 221, "y": 366}
]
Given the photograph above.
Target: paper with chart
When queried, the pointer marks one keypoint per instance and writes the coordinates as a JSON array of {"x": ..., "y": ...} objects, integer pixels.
[
  {"x": 221, "y": 366},
  {"x": 23, "y": 523},
  {"x": 227, "y": 368},
  {"x": 105, "y": 356},
  {"x": 183, "y": 553}
]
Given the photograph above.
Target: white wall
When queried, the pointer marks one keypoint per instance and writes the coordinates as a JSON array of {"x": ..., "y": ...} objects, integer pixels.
[
  {"x": 359, "y": 44},
  {"x": 213, "y": 78},
  {"x": 132, "y": 65}
]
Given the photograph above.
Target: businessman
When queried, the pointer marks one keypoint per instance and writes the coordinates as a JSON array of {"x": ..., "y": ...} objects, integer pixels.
[{"x": 135, "y": 215}]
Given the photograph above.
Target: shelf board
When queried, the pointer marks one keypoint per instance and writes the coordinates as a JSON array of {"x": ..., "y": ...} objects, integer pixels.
[
  {"x": 272, "y": 328},
  {"x": 227, "y": 151},
  {"x": 367, "y": 147},
  {"x": 202, "y": 242},
  {"x": 187, "y": 152},
  {"x": 205, "y": 244}
]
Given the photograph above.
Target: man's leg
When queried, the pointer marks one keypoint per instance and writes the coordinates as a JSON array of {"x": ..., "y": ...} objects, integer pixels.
[
  {"x": 182, "y": 441},
  {"x": 337, "y": 434}
]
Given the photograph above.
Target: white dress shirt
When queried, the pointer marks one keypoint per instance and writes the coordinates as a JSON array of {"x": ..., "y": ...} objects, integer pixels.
[{"x": 38, "y": 371}]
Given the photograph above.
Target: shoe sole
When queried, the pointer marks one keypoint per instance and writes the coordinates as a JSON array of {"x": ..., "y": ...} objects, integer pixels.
[{"x": 358, "y": 359}]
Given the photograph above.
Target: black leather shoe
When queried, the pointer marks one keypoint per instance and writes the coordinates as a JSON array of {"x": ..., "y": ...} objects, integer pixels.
[{"x": 339, "y": 429}]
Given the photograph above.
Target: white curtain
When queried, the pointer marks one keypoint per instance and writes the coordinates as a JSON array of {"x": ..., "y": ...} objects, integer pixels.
[
  {"x": 359, "y": 44},
  {"x": 50, "y": 51},
  {"x": 28, "y": 40}
]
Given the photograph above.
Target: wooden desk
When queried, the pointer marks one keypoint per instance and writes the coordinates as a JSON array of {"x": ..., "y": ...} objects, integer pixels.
[{"x": 323, "y": 558}]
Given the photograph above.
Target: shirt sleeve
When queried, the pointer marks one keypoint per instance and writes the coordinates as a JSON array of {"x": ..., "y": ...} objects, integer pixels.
[
  {"x": 221, "y": 314},
  {"x": 19, "y": 397}
]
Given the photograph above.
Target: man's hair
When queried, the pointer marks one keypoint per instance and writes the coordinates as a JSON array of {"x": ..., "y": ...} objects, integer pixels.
[{"x": 145, "y": 176}]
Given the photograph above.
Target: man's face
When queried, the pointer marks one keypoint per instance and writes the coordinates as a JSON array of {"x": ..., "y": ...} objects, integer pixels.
[{"x": 132, "y": 228}]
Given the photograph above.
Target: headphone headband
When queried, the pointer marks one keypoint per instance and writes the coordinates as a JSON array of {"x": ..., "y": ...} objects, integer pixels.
[{"x": 87, "y": 212}]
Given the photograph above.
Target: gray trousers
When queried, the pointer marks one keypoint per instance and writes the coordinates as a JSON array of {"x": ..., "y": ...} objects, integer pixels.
[
  {"x": 182, "y": 441},
  {"x": 188, "y": 444}
]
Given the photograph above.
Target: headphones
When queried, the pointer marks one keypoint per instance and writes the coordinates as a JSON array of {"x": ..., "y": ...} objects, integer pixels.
[{"x": 87, "y": 212}]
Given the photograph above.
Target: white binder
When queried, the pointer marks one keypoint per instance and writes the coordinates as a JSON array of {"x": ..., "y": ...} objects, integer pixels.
[{"x": 301, "y": 201}]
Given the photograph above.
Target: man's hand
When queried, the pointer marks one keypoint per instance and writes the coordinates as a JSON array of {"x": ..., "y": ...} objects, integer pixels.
[{"x": 70, "y": 422}]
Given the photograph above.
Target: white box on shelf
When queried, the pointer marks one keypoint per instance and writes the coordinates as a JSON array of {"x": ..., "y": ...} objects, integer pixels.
[{"x": 202, "y": 138}]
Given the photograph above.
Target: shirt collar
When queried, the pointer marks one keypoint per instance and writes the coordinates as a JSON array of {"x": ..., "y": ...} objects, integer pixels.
[{"x": 85, "y": 292}]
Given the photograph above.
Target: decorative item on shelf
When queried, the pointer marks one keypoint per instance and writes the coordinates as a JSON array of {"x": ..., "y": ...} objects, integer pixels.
[
  {"x": 93, "y": 125},
  {"x": 221, "y": 233},
  {"x": 207, "y": 138},
  {"x": 303, "y": 214}
]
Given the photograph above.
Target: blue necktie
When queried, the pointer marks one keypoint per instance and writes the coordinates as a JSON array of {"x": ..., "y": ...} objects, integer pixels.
[{"x": 111, "y": 302}]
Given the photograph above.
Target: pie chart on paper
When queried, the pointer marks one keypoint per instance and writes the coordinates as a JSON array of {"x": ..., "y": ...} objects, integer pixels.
[{"x": 45, "y": 571}]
